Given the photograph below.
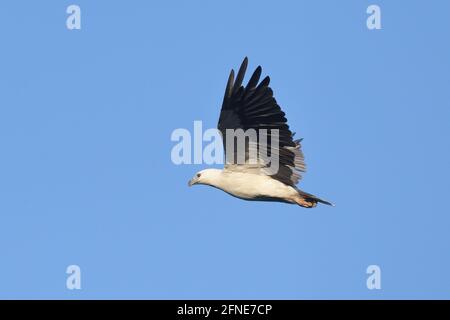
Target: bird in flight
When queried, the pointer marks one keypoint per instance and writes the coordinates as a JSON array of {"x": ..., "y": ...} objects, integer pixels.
[{"x": 253, "y": 107}]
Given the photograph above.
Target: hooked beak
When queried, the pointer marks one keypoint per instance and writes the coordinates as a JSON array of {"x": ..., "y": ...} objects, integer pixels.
[{"x": 192, "y": 182}]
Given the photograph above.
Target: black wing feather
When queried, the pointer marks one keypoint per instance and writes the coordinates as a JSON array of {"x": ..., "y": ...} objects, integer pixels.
[{"x": 254, "y": 107}]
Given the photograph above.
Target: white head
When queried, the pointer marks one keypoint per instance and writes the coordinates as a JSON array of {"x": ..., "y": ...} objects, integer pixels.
[{"x": 207, "y": 176}]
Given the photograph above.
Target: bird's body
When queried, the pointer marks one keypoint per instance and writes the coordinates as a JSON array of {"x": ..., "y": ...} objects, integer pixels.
[
  {"x": 249, "y": 186},
  {"x": 253, "y": 107}
]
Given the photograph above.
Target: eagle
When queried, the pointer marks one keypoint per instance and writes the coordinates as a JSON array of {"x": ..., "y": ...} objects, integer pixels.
[{"x": 254, "y": 108}]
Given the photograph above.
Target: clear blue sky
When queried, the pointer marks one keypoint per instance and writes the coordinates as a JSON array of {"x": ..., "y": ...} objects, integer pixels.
[{"x": 86, "y": 176}]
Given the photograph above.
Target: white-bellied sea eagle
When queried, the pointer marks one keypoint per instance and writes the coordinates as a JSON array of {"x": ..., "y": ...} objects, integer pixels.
[{"x": 253, "y": 108}]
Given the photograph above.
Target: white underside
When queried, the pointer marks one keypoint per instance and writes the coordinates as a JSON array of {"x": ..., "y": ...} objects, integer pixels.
[{"x": 252, "y": 186}]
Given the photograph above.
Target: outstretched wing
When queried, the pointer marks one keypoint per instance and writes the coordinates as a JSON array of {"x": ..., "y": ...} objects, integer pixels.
[{"x": 254, "y": 107}]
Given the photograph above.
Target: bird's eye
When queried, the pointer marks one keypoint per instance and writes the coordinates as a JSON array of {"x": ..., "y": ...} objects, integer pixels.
[{"x": 198, "y": 175}]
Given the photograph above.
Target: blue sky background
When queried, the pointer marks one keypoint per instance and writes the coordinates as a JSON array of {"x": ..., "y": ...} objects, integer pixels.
[{"x": 86, "y": 176}]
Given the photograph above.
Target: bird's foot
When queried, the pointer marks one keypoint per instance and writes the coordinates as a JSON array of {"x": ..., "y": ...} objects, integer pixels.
[{"x": 306, "y": 203}]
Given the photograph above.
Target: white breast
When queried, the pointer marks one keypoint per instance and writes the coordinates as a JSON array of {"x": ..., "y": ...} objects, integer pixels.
[{"x": 251, "y": 186}]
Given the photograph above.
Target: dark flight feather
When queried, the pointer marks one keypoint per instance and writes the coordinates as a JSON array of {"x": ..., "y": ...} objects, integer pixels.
[{"x": 254, "y": 107}]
